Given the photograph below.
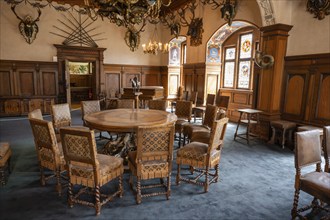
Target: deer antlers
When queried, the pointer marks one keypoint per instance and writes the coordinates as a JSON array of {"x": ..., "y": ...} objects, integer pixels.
[{"x": 27, "y": 26}]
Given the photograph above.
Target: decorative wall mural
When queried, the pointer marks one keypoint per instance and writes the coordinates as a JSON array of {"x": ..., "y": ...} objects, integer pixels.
[{"x": 28, "y": 26}]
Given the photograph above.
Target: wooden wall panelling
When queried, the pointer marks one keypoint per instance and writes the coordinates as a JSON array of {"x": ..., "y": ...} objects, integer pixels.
[
  {"x": 164, "y": 80},
  {"x": 151, "y": 76},
  {"x": 306, "y": 94},
  {"x": 200, "y": 83},
  {"x": 112, "y": 83},
  {"x": 30, "y": 84},
  {"x": 26, "y": 82},
  {"x": 5, "y": 83},
  {"x": 321, "y": 113}
]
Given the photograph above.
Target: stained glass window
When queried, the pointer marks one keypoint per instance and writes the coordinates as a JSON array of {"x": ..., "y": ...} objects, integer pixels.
[
  {"x": 245, "y": 46},
  {"x": 230, "y": 54},
  {"x": 229, "y": 74},
  {"x": 244, "y": 74}
]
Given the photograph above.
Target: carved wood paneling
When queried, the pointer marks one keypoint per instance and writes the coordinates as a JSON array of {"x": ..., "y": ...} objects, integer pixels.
[
  {"x": 194, "y": 79},
  {"x": 26, "y": 85},
  {"x": 118, "y": 77},
  {"x": 306, "y": 92},
  {"x": 5, "y": 85}
]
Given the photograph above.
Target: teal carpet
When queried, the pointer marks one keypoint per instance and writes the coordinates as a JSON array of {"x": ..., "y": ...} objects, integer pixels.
[{"x": 257, "y": 182}]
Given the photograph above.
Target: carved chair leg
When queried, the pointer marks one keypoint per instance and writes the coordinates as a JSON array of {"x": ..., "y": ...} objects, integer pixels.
[
  {"x": 138, "y": 190},
  {"x": 97, "y": 200},
  {"x": 217, "y": 171},
  {"x": 168, "y": 193},
  {"x": 70, "y": 195},
  {"x": 131, "y": 181},
  {"x": 294, "y": 211},
  {"x": 42, "y": 175},
  {"x": 58, "y": 185},
  {"x": 178, "y": 175},
  {"x": 206, "y": 184},
  {"x": 121, "y": 191}
]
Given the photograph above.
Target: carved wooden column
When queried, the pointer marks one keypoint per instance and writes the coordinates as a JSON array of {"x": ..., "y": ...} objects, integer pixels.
[{"x": 270, "y": 80}]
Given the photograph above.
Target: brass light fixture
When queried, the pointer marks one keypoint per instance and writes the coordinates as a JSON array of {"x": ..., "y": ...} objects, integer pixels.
[{"x": 154, "y": 46}]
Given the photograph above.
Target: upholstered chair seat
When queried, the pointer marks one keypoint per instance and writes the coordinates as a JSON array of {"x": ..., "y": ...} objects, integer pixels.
[
  {"x": 195, "y": 154},
  {"x": 61, "y": 116},
  {"x": 316, "y": 183}
]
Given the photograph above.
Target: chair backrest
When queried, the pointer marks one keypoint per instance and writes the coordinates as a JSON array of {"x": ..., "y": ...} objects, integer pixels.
[
  {"x": 210, "y": 99},
  {"x": 210, "y": 115},
  {"x": 88, "y": 107},
  {"x": 45, "y": 139},
  {"x": 326, "y": 147},
  {"x": 183, "y": 109},
  {"x": 61, "y": 116},
  {"x": 125, "y": 103},
  {"x": 35, "y": 114},
  {"x": 157, "y": 104},
  {"x": 79, "y": 149},
  {"x": 308, "y": 148},
  {"x": 193, "y": 97},
  {"x": 155, "y": 143},
  {"x": 217, "y": 134},
  {"x": 222, "y": 101}
]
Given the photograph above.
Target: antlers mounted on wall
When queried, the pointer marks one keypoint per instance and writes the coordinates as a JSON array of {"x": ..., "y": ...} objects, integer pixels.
[
  {"x": 227, "y": 8},
  {"x": 132, "y": 37},
  {"x": 172, "y": 24},
  {"x": 27, "y": 26},
  {"x": 320, "y": 8},
  {"x": 195, "y": 25}
]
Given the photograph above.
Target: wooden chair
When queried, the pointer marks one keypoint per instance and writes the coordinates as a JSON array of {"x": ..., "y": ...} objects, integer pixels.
[
  {"x": 35, "y": 114},
  {"x": 210, "y": 99},
  {"x": 326, "y": 147},
  {"x": 182, "y": 95},
  {"x": 193, "y": 98},
  {"x": 49, "y": 151},
  {"x": 316, "y": 183},
  {"x": 89, "y": 107},
  {"x": 89, "y": 169},
  {"x": 157, "y": 105},
  {"x": 202, "y": 157},
  {"x": 125, "y": 103},
  {"x": 223, "y": 103},
  {"x": 183, "y": 111},
  {"x": 61, "y": 116},
  {"x": 152, "y": 159},
  {"x": 210, "y": 117},
  {"x": 5, "y": 157}
]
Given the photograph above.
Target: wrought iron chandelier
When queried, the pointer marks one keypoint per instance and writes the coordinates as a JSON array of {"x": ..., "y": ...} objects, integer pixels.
[
  {"x": 126, "y": 12},
  {"x": 154, "y": 46}
]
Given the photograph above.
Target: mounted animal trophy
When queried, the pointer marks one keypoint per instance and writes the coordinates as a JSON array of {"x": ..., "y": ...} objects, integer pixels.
[
  {"x": 27, "y": 26},
  {"x": 262, "y": 60},
  {"x": 227, "y": 8},
  {"x": 195, "y": 25},
  {"x": 132, "y": 37},
  {"x": 172, "y": 24}
]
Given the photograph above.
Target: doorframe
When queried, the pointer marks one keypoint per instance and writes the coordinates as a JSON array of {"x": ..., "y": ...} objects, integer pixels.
[{"x": 78, "y": 54}]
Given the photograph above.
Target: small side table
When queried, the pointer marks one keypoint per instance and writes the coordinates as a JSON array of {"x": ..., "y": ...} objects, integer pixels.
[
  {"x": 252, "y": 116},
  {"x": 285, "y": 129}
]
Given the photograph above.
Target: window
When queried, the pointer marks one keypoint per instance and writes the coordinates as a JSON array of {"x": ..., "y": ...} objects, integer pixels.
[{"x": 237, "y": 61}]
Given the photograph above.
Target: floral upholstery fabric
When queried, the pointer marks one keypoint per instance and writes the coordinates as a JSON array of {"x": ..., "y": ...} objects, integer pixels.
[{"x": 5, "y": 153}]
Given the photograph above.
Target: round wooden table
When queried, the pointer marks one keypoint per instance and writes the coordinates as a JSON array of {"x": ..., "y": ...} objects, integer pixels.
[{"x": 128, "y": 120}]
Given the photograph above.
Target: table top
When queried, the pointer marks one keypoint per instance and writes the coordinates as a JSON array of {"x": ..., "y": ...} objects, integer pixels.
[
  {"x": 128, "y": 120},
  {"x": 249, "y": 110}
]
